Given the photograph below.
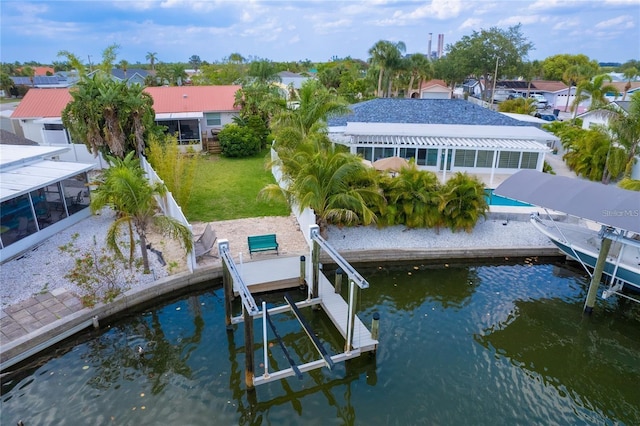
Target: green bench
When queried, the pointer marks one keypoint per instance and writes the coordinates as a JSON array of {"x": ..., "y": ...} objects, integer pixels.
[{"x": 262, "y": 243}]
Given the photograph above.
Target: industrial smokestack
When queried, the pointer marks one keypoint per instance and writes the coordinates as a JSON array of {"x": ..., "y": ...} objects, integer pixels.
[
  {"x": 429, "y": 47},
  {"x": 440, "y": 45}
]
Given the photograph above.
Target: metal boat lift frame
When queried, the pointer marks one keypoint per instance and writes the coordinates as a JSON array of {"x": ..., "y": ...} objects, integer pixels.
[{"x": 234, "y": 283}]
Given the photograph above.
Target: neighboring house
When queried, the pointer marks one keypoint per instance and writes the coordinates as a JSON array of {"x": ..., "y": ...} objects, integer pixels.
[
  {"x": 46, "y": 81},
  {"x": 131, "y": 75},
  {"x": 290, "y": 81},
  {"x": 39, "y": 196},
  {"x": 40, "y": 70},
  {"x": 555, "y": 92},
  {"x": 194, "y": 113},
  {"x": 188, "y": 112},
  {"x": 433, "y": 89},
  {"x": 443, "y": 136},
  {"x": 472, "y": 87},
  {"x": 595, "y": 118},
  {"x": 634, "y": 86}
]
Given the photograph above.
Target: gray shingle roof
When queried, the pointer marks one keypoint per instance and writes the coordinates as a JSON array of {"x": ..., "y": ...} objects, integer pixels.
[
  {"x": 8, "y": 138},
  {"x": 423, "y": 111}
]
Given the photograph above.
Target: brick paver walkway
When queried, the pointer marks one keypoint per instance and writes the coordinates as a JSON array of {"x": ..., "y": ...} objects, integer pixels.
[{"x": 34, "y": 313}]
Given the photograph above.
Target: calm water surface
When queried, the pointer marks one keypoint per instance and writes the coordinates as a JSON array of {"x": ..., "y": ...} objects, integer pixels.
[{"x": 459, "y": 344}]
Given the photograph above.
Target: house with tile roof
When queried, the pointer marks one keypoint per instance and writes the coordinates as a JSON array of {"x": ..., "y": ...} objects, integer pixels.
[
  {"x": 433, "y": 89},
  {"x": 192, "y": 113},
  {"x": 444, "y": 136},
  {"x": 131, "y": 76}
]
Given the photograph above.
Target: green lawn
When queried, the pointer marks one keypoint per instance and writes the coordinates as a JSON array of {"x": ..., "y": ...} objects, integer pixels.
[{"x": 227, "y": 188}]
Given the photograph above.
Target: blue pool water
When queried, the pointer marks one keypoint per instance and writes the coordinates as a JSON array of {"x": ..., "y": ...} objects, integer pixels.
[{"x": 496, "y": 200}]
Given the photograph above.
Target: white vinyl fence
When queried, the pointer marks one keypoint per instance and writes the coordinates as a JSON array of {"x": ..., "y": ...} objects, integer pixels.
[
  {"x": 169, "y": 207},
  {"x": 306, "y": 217}
]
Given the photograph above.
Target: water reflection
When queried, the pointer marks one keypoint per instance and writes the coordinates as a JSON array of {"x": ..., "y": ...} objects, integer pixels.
[{"x": 459, "y": 344}]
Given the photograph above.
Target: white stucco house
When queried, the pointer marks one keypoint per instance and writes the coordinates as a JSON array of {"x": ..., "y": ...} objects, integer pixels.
[{"x": 444, "y": 136}]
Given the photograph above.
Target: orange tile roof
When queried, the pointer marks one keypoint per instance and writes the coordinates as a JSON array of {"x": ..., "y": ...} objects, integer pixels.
[
  {"x": 434, "y": 82},
  {"x": 40, "y": 103},
  {"x": 620, "y": 85},
  {"x": 549, "y": 85},
  {"x": 41, "y": 70},
  {"x": 193, "y": 98}
]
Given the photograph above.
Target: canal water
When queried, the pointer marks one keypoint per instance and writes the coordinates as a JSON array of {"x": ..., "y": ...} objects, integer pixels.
[{"x": 477, "y": 344}]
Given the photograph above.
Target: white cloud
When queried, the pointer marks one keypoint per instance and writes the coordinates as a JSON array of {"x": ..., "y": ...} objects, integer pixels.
[
  {"x": 472, "y": 23},
  {"x": 522, "y": 19},
  {"x": 566, "y": 24},
  {"x": 437, "y": 9},
  {"x": 621, "y": 22}
]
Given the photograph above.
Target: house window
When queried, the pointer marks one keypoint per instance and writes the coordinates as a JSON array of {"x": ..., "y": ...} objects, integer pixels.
[
  {"x": 509, "y": 160},
  {"x": 53, "y": 126},
  {"x": 408, "y": 153},
  {"x": 379, "y": 153},
  {"x": 485, "y": 159},
  {"x": 213, "y": 119},
  {"x": 365, "y": 152},
  {"x": 529, "y": 160},
  {"x": 427, "y": 157},
  {"x": 465, "y": 158}
]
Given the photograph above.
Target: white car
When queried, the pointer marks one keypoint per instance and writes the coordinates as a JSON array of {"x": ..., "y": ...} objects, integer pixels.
[{"x": 541, "y": 101}]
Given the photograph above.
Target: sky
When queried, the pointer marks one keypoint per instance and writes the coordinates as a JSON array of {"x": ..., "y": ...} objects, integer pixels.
[{"x": 280, "y": 30}]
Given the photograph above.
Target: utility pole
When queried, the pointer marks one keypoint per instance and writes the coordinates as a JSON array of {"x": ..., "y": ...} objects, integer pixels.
[
  {"x": 90, "y": 66},
  {"x": 495, "y": 77}
]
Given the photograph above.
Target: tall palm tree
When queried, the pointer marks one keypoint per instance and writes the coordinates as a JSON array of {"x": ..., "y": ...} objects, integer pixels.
[
  {"x": 317, "y": 103},
  {"x": 575, "y": 75},
  {"x": 596, "y": 89},
  {"x": 386, "y": 55},
  {"x": 625, "y": 129},
  {"x": 124, "y": 188},
  {"x": 324, "y": 180},
  {"x": 152, "y": 57},
  {"x": 629, "y": 73}
]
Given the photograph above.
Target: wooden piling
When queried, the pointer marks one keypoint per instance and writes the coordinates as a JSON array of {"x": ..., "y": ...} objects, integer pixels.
[
  {"x": 227, "y": 284},
  {"x": 248, "y": 349},
  {"x": 605, "y": 245},
  {"x": 375, "y": 326},
  {"x": 338, "y": 283},
  {"x": 303, "y": 271}
]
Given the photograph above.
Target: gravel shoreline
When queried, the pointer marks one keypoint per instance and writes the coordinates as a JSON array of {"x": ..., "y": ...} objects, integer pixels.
[{"x": 43, "y": 268}]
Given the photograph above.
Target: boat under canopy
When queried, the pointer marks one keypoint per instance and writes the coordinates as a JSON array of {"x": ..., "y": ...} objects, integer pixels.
[
  {"x": 605, "y": 204},
  {"x": 616, "y": 210}
]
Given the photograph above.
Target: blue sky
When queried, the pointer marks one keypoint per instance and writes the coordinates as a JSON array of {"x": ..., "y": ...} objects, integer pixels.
[{"x": 605, "y": 30}]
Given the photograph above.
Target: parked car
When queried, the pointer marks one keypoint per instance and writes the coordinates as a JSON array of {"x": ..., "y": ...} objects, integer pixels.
[
  {"x": 541, "y": 101},
  {"x": 547, "y": 117}
]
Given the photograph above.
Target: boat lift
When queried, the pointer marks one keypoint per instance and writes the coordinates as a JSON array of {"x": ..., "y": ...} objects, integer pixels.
[{"x": 349, "y": 326}]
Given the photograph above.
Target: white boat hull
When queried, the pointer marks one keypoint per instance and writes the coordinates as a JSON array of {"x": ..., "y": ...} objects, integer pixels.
[{"x": 583, "y": 244}]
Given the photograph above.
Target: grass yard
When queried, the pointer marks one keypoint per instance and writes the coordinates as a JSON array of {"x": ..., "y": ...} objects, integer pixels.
[{"x": 227, "y": 188}]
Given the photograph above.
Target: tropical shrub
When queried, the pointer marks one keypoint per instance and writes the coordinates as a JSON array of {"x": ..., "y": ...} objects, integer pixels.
[
  {"x": 463, "y": 202},
  {"x": 238, "y": 141}
]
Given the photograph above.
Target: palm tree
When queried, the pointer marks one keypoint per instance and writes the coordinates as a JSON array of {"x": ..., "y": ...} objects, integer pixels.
[
  {"x": 264, "y": 72},
  {"x": 152, "y": 57},
  {"x": 124, "y": 66},
  {"x": 109, "y": 116},
  {"x": 629, "y": 73},
  {"x": 324, "y": 180},
  {"x": 413, "y": 198},
  {"x": 124, "y": 188},
  {"x": 317, "y": 103},
  {"x": 596, "y": 89},
  {"x": 463, "y": 202},
  {"x": 424, "y": 71},
  {"x": 625, "y": 129},
  {"x": 573, "y": 76},
  {"x": 385, "y": 55}
]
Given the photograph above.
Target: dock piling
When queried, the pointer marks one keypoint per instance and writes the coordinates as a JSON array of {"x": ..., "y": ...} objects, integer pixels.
[
  {"x": 597, "y": 275},
  {"x": 375, "y": 326},
  {"x": 338, "y": 284}
]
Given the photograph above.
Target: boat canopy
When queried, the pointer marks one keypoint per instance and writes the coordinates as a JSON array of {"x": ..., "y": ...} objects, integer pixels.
[{"x": 604, "y": 204}]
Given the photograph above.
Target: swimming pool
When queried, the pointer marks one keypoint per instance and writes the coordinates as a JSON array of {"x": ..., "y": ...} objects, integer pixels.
[{"x": 497, "y": 200}]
